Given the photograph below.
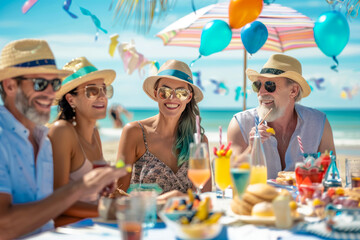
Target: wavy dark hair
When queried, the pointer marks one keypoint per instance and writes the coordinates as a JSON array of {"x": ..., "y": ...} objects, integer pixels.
[
  {"x": 65, "y": 110},
  {"x": 186, "y": 129}
]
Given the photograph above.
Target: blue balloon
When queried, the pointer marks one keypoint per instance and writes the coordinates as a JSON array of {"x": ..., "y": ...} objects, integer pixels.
[
  {"x": 331, "y": 33},
  {"x": 254, "y": 36},
  {"x": 216, "y": 36},
  {"x": 268, "y": 1}
]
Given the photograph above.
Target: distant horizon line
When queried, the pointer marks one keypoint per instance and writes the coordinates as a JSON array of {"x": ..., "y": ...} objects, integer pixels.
[{"x": 240, "y": 109}]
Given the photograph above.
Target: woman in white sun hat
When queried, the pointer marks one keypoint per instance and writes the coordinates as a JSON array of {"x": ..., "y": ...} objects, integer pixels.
[
  {"x": 158, "y": 147},
  {"x": 82, "y": 100}
]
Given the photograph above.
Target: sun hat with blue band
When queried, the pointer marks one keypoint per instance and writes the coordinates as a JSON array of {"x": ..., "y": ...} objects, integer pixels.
[
  {"x": 280, "y": 65},
  {"x": 28, "y": 56},
  {"x": 83, "y": 71},
  {"x": 176, "y": 70}
]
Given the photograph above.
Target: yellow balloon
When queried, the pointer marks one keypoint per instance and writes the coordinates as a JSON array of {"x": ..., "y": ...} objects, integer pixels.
[{"x": 343, "y": 94}]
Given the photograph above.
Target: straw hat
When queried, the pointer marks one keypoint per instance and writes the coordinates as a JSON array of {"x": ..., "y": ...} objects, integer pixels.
[
  {"x": 176, "y": 70},
  {"x": 280, "y": 65},
  {"x": 28, "y": 56},
  {"x": 84, "y": 72}
]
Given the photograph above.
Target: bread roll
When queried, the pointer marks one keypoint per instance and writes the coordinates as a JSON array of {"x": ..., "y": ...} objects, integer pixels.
[
  {"x": 263, "y": 191},
  {"x": 240, "y": 207},
  {"x": 263, "y": 209},
  {"x": 251, "y": 198}
]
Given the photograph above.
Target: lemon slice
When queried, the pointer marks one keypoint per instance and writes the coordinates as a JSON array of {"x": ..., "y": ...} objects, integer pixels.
[
  {"x": 244, "y": 165},
  {"x": 270, "y": 130},
  {"x": 120, "y": 163},
  {"x": 128, "y": 168}
]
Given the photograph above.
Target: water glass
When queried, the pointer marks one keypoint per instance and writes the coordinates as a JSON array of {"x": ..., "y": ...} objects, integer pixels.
[
  {"x": 148, "y": 197},
  {"x": 352, "y": 172},
  {"x": 130, "y": 213}
]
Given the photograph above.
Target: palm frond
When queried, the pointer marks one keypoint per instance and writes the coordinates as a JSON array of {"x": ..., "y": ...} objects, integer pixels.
[{"x": 140, "y": 13}]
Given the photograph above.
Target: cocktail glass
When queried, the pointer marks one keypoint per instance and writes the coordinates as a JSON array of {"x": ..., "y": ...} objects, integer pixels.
[
  {"x": 222, "y": 173},
  {"x": 199, "y": 166},
  {"x": 240, "y": 173},
  {"x": 307, "y": 178}
]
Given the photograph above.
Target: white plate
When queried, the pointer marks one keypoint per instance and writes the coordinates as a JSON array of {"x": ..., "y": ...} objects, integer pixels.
[{"x": 256, "y": 220}]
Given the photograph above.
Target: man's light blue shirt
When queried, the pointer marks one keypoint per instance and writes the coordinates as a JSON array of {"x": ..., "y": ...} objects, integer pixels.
[{"x": 20, "y": 177}]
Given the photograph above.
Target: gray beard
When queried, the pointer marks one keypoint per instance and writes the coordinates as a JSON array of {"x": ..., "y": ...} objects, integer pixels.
[
  {"x": 25, "y": 107},
  {"x": 276, "y": 113}
]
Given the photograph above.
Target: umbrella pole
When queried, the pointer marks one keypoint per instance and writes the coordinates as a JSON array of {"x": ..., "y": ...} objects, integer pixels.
[{"x": 244, "y": 76}]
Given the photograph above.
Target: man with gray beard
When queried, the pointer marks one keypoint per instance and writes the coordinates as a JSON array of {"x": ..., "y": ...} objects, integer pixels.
[
  {"x": 28, "y": 80},
  {"x": 279, "y": 86}
]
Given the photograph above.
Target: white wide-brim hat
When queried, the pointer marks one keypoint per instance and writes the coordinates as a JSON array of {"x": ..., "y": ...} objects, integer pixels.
[
  {"x": 84, "y": 72},
  {"x": 280, "y": 65},
  {"x": 176, "y": 70},
  {"x": 28, "y": 56}
]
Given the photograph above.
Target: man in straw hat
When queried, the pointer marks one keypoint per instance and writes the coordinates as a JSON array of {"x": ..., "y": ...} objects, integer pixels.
[
  {"x": 279, "y": 86},
  {"x": 29, "y": 79}
]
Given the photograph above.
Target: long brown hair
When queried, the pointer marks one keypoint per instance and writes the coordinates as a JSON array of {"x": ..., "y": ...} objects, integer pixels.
[
  {"x": 186, "y": 129},
  {"x": 65, "y": 110}
]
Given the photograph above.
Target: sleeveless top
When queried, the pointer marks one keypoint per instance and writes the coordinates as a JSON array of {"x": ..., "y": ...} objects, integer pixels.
[
  {"x": 86, "y": 167},
  {"x": 310, "y": 127},
  {"x": 149, "y": 169}
]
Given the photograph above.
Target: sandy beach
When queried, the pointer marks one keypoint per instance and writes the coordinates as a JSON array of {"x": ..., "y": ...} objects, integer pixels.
[{"x": 110, "y": 152}]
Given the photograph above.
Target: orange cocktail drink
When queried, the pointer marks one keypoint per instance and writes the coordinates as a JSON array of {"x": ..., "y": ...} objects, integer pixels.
[{"x": 198, "y": 172}]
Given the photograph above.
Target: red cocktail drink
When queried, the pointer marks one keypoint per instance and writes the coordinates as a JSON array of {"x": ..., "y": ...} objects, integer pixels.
[
  {"x": 99, "y": 163},
  {"x": 308, "y": 179},
  {"x": 131, "y": 230}
]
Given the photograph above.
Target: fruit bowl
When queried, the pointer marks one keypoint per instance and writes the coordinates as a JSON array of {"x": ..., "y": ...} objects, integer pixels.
[
  {"x": 201, "y": 230},
  {"x": 191, "y": 231}
]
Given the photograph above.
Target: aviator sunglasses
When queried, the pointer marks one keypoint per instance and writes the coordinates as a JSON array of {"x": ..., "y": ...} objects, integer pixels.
[
  {"x": 269, "y": 86},
  {"x": 93, "y": 92},
  {"x": 181, "y": 93},
  {"x": 40, "y": 84}
]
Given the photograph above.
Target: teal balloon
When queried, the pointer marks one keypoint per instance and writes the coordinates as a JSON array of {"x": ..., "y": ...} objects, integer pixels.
[
  {"x": 215, "y": 37},
  {"x": 331, "y": 33},
  {"x": 254, "y": 36}
]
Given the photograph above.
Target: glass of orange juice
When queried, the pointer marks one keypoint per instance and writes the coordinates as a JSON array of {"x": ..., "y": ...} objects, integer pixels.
[
  {"x": 222, "y": 173},
  {"x": 199, "y": 167}
]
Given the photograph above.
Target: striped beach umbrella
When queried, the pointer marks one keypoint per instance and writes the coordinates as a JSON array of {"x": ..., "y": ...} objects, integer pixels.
[{"x": 288, "y": 29}]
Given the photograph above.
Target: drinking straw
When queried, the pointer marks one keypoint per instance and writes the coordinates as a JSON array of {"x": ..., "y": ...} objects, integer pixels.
[
  {"x": 265, "y": 116},
  {"x": 198, "y": 129},
  {"x": 300, "y": 144},
  {"x": 220, "y": 135}
]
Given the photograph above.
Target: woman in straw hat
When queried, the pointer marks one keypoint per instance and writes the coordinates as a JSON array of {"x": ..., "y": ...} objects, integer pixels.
[
  {"x": 158, "y": 147},
  {"x": 82, "y": 100}
]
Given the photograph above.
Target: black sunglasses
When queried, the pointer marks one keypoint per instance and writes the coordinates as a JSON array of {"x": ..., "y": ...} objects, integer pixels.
[
  {"x": 269, "y": 86},
  {"x": 40, "y": 84}
]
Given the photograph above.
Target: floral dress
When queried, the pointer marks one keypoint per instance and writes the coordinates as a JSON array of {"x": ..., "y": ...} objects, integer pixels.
[{"x": 149, "y": 169}]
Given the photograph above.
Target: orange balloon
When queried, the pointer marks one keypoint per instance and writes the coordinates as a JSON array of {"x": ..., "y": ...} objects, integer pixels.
[{"x": 242, "y": 12}]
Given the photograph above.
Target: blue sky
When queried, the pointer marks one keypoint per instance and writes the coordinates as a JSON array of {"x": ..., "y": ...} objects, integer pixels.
[{"x": 70, "y": 38}]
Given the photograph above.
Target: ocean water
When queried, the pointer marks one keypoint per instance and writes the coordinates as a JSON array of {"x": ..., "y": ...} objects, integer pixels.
[{"x": 344, "y": 123}]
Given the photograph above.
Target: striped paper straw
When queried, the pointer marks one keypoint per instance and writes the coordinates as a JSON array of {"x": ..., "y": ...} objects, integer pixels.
[
  {"x": 300, "y": 144},
  {"x": 220, "y": 135},
  {"x": 198, "y": 128}
]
